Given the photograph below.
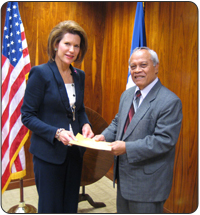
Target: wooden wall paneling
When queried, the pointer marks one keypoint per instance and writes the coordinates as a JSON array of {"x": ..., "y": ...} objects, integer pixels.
[
  {"x": 172, "y": 32},
  {"x": 93, "y": 58},
  {"x": 117, "y": 42},
  {"x": 3, "y": 15}
]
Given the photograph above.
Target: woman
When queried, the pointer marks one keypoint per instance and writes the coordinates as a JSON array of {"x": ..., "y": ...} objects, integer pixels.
[{"x": 54, "y": 111}]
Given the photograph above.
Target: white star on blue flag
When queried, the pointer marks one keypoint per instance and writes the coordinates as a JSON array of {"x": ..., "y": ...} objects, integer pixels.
[{"x": 12, "y": 34}]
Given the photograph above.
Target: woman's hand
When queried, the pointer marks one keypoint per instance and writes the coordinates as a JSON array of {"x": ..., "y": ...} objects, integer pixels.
[
  {"x": 87, "y": 131},
  {"x": 66, "y": 136}
]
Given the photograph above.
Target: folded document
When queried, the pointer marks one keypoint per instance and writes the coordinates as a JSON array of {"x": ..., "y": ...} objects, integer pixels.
[{"x": 90, "y": 143}]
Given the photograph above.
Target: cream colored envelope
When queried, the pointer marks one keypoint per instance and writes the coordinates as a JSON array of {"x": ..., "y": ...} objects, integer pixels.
[{"x": 90, "y": 143}]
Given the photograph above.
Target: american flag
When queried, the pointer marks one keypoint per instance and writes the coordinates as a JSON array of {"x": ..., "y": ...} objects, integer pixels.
[{"x": 15, "y": 65}]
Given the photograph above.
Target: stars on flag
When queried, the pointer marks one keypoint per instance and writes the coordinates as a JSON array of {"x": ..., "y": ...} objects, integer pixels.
[{"x": 12, "y": 41}]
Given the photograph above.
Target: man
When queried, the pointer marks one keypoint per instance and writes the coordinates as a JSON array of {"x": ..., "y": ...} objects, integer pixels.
[{"x": 144, "y": 150}]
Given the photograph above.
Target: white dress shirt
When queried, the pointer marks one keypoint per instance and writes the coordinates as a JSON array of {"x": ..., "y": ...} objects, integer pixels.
[
  {"x": 144, "y": 93},
  {"x": 70, "y": 88}
]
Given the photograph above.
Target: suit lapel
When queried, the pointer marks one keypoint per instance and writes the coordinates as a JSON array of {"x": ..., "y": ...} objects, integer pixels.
[
  {"x": 128, "y": 100},
  {"x": 76, "y": 79},
  {"x": 136, "y": 118},
  {"x": 61, "y": 85},
  {"x": 143, "y": 108}
]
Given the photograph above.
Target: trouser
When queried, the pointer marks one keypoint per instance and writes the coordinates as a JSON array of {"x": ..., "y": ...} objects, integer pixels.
[
  {"x": 58, "y": 185},
  {"x": 125, "y": 206}
]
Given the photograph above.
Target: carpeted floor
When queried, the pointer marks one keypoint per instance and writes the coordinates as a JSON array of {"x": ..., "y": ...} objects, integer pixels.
[{"x": 100, "y": 191}]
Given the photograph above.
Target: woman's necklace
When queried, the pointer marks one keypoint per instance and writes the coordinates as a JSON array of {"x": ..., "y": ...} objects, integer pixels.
[{"x": 67, "y": 76}]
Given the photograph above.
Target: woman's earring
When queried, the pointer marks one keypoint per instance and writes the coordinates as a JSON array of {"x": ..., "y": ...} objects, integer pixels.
[{"x": 56, "y": 49}]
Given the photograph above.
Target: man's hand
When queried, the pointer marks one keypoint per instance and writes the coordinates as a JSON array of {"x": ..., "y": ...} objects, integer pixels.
[
  {"x": 99, "y": 137},
  {"x": 118, "y": 147}
]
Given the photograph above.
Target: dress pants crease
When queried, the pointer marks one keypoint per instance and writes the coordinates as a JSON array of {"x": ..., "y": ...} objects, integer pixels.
[{"x": 58, "y": 185}]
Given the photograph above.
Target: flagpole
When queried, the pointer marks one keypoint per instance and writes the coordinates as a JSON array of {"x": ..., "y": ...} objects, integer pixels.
[
  {"x": 143, "y": 7},
  {"x": 22, "y": 207},
  {"x": 21, "y": 192}
]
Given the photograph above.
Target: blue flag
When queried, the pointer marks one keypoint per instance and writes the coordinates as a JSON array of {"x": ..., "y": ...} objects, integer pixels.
[{"x": 139, "y": 36}]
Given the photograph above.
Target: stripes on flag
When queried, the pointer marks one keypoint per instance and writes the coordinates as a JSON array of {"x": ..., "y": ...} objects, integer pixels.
[{"x": 15, "y": 65}]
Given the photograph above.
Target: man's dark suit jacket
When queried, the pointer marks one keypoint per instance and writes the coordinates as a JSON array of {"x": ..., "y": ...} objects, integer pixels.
[
  {"x": 46, "y": 108},
  {"x": 146, "y": 170}
]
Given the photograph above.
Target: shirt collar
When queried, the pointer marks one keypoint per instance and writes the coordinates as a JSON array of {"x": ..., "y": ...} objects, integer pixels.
[{"x": 147, "y": 89}]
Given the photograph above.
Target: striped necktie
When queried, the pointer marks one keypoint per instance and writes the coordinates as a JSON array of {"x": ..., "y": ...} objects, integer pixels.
[
  {"x": 129, "y": 117},
  {"x": 137, "y": 99},
  {"x": 131, "y": 111}
]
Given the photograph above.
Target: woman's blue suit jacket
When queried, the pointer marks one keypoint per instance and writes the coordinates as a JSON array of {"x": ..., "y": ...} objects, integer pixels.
[{"x": 46, "y": 108}]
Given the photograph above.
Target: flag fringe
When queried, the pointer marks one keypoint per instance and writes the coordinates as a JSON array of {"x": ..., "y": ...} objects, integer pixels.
[
  {"x": 26, "y": 76},
  {"x": 20, "y": 174}
]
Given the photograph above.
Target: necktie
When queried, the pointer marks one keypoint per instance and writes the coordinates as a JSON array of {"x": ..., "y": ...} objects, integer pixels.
[
  {"x": 137, "y": 99},
  {"x": 131, "y": 111},
  {"x": 129, "y": 117}
]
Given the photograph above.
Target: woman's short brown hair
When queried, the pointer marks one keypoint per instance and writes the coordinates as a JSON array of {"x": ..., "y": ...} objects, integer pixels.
[{"x": 59, "y": 31}]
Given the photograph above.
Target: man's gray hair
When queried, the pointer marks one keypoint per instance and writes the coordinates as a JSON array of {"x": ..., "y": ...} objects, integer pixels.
[{"x": 154, "y": 56}]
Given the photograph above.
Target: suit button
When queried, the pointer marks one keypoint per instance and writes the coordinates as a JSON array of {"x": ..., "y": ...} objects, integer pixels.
[{"x": 69, "y": 115}]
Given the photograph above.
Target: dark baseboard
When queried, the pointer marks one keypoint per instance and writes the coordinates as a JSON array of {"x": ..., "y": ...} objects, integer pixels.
[{"x": 16, "y": 183}]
